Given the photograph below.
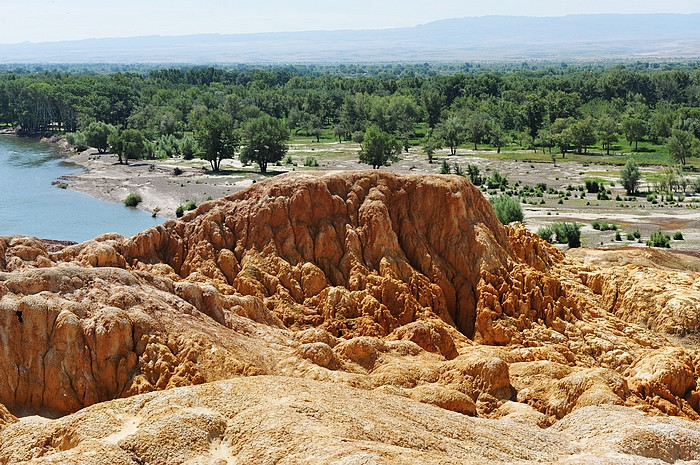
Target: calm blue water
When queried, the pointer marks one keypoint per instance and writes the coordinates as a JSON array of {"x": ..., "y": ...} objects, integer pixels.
[{"x": 31, "y": 206}]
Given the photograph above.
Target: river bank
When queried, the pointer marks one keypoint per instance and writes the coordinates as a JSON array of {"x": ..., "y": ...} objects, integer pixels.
[{"x": 163, "y": 185}]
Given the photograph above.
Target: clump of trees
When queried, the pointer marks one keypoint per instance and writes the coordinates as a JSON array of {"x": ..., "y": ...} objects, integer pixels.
[{"x": 562, "y": 109}]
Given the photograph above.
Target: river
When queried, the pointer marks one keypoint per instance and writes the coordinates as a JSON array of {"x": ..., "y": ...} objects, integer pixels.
[{"x": 30, "y": 205}]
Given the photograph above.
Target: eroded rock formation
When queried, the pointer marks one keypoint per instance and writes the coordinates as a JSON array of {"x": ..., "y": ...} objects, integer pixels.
[{"x": 404, "y": 285}]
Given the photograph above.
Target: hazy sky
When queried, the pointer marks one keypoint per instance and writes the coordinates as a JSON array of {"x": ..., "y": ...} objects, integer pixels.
[{"x": 53, "y": 20}]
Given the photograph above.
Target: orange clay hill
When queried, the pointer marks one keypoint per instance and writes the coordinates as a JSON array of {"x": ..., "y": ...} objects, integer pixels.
[{"x": 346, "y": 318}]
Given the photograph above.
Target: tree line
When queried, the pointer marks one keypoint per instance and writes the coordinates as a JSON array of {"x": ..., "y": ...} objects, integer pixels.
[{"x": 215, "y": 112}]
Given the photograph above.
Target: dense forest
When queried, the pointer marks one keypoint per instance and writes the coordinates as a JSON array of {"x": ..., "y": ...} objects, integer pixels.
[{"x": 214, "y": 112}]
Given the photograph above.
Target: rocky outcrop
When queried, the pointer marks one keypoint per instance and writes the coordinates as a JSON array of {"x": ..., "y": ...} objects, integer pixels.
[
  {"x": 287, "y": 421},
  {"x": 402, "y": 286}
]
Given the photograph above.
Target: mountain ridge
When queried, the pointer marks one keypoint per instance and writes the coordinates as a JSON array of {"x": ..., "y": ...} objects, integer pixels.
[{"x": 489, "y": 38}]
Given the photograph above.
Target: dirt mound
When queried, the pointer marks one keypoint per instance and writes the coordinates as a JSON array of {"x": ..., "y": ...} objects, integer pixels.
[{"x": 404, "y": 285}]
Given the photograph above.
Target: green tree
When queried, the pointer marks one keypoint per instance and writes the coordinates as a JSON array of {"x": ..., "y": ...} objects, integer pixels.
[
  {"x": 264, "y": 138},
  {"x": 430, "y": 146},
  {"x": 496, "y": 135},
  {"x": 217, "y": 138},
  {"x": 582, "y": 134},
  {"x": 634, "y": 129},
  {"x": 607, "y": 132},
  {"x": 630, "y": 176},
  {"x": 682, "y": 145},
  {"x": 434, "y": 102},
  {"x": 96, "y": 135},
  {"x": 379, "y": 148},
  {"x": 560, "y": 132},
  {"x": 127, "y": 144},
  {"x": 476, "y": 125},
  {"x": 452, "y": 132}
]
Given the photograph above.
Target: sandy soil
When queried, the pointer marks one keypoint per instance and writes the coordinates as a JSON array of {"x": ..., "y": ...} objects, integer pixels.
[
  {"x": 156, "y": 181},
  {"x": 160, "y": 188}
]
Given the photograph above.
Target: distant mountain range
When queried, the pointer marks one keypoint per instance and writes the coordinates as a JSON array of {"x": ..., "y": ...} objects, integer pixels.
[{"x": 487, "y": 38}]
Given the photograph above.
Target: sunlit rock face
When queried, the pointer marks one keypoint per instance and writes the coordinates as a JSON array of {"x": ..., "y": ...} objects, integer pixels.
[{"x": 400, "y": 300}]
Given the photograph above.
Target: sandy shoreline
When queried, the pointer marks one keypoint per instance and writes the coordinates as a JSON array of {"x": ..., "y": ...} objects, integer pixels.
[{"x": 156, "y": 181}]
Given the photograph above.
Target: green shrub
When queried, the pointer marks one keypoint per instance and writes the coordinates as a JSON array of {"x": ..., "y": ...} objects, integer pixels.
[
  {"x": 188, "y": 147},
  {"x": 592, "y": 186},
  {"x": 445, "y": 167},
  {"x": 603, "y": 226},
  {"x": 179, "y": 211},
  {"x": 132, "y": 200},
  {"x": 637, "y": 234},
  {"x": 458, "y": 170},
  {"x": 562, "y": 233},
  {"x": 507, "y": 208},
  {"x": 618, "y": 237},
  {"x": 659, "y": 239},
  {"x": 546, "y": 233},
  {"x": 311, "y": 162},
  {"x": 497, "y": 181},
  {"x": 651, "y": 198},
  {"x": 474, "y": 176},
  {"x": 678, "y": 236},
  {"x": 288, "y": 160},
  {"x": 630, "y": 236},
  {"x": 77, "y": 140},
  {"x": 568, "y": 233},
  {"x": 189, "y": 206}
]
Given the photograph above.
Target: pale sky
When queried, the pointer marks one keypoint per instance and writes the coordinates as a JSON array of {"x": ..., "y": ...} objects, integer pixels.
[{"x": 55, "y": 20}]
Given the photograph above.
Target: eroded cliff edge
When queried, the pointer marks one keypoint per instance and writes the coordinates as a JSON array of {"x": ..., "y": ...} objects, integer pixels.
[{"x": 404, "y": 285}]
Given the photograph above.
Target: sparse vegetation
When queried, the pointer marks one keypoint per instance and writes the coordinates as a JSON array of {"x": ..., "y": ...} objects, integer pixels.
[
  {"x": 659, "y": 239},
  {"x": 311, "y": 162},
  {"x": 507, "y": 208},
  {"x": 562, "y": 233},
  {"x": 132, "y": 200}
]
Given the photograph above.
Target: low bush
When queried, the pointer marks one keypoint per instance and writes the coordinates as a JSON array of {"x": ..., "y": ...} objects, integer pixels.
[
  {"x": 497, "y": 181},
  {"x": 179, "y": 211},
  {"x": 475, "y": 176},
  {"x": 659, "y": 239},
  {"x": 593, "y": 186},
  {"x": 562, "y": 233},
  {"x": 507, "y": 208},
  {"x": 132, "y": 200},
  {"x": 604, "y": 226},
  {"x": 678, "y": 236},
  {"x": 445, "y": 167},
  {"x": 311, "y": 162}
]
